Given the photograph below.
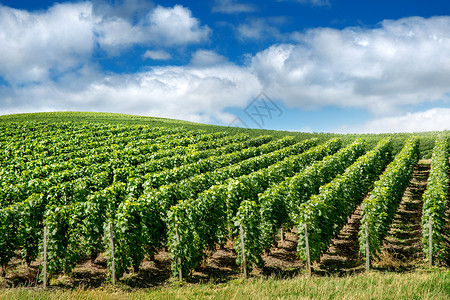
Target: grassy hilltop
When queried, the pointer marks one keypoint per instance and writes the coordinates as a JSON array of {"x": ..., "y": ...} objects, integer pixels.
[{"x": 427, "y": 138}]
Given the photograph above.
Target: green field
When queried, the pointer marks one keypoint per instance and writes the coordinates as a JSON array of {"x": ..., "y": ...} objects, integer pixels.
[
  {"x": 170, "y": 198},
  {"x": 427, "y": 138}
]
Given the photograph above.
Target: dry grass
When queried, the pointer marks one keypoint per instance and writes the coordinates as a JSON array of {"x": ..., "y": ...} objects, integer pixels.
[{"x": 375, "y": 285}]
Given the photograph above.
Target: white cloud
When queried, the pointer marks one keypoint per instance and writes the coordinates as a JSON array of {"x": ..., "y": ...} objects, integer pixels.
[
  {"x": 196, "y": 93},
  {"x": 53, "y": 56},
  {"x": 44, "y": 45},
  {"x": 176, "y": 26},
  {"x": 163, "y": 26},
  {"x": 436, "y": 119},
  {"x": 46, "y": 57},
  {"x": 207, "y": 57},
  {"x": 129, "y": 10},
  {"x": 317, "y": 2},
  {"x": 403, "y": 62},
  {"x": 156, "y": 55},
  {"x": 310, "y": 2},
  {"x": 258, "y": 29},
  {"x": 36, "y": 46},
  {"x": 232, "y": 7}
]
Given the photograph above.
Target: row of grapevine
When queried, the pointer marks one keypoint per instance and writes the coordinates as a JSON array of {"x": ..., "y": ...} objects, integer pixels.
[
  {"x": 43, "y": 166},
  {"x": 379, "y": 208},
  {"x": 39, "y": 141},
  {"x": 150, "y": 211},
  {"x": 280, "y": 204},
  {"x": 202, "y": 222},
  {"x": 325, "y": 214},
  {"x": 106, "y": 160},
  {"x": 26, "y": 216},
  {"x": 230, "y": 165},
  {"x": 194, "y": 163},
  {"x": 435, "y": 201},
  {"x": 148, "y": 144},
  {"x": 248, "y": 187},
  {"x": 71, "y": 222},
  {"x": 57, "y": 147},
  {"x": 190, "y": 191},
  {"x": 155, "y": 180},
  {"x": 84, "y": 225}
]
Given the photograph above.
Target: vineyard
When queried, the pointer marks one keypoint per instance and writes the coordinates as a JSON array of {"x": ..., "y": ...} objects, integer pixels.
[{"x": 77, "y": 191}]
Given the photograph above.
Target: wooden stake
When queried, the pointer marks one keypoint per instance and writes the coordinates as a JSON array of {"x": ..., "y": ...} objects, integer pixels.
[
  {"x": 244, "y": 263},
  {"x": 180, "y": 272},
  {"x": 430, "y": 241},
  {"x": 367, "y": 247},
  {"x": 37, "y": 277},
  {"x": 282, "y": 234},
  {"x": 308, "y": 257},
  {"x": 113, "y": 262},
  {"x": 44, "y": 271}
]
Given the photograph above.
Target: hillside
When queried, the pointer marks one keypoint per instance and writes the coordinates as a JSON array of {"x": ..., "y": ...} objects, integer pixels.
[
  {"x": 141, "y": 201},
  {"x": 427, "y": 138}
]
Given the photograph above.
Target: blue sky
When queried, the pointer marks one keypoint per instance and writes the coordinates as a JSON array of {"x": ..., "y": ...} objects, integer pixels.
[{"x": 302, "y": 65}]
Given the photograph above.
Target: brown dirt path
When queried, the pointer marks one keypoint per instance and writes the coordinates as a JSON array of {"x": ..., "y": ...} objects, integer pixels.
[
  {"x": 342, "y": 257},
  {"x": 402, "y": 247}
]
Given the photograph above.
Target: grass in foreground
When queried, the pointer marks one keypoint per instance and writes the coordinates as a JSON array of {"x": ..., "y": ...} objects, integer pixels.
[{"x": 416, "y": 285}]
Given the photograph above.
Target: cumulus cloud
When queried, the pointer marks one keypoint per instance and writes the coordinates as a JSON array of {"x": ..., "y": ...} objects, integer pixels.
[
  {"x": 259, "y": 29},
  {"x": 310, "y": 2},
  {"x": 42, "y": 46},
  {"x": 46, "y": 63},
  {"x": 403, "y": 62},
  {"x": 207, "y": 57},
  {"x": 164, "y": 26},
  {"x": 175, "y": 26},
  {"x": 232, "y": 7},
  {"x": 130, "y": 10},
  {"x": 54, "y": 58},
  {"x": 156, "y": 55},
  {"x": 436, "y": 119},
  {"x": 194, "y": 93},
  {"x": 36, "y": 46},
  {"x": 267, "y": 28}
]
